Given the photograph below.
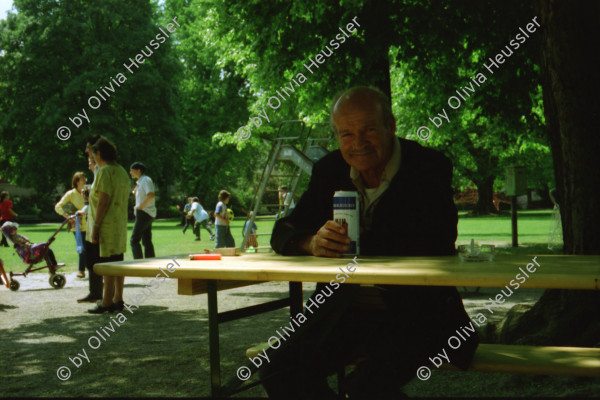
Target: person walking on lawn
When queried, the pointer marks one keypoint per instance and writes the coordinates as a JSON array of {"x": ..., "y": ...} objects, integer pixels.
[
  {"x": 199, "y": 214},
  {"x": 145, "y": 212},
  {"x": 6, "y": 213}
]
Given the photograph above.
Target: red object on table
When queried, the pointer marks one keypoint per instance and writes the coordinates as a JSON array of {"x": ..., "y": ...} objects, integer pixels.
[{"x": 205, "y": 256}]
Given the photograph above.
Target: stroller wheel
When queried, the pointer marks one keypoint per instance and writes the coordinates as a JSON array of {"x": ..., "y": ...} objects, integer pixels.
[
  {"x": 57, "y": 281},
  {"x": 14, "y": 286}
]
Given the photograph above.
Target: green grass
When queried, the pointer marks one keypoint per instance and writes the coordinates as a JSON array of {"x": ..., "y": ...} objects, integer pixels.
[
  {"x": 166, "y": 236},
  {"x": 533, "y": 228}
]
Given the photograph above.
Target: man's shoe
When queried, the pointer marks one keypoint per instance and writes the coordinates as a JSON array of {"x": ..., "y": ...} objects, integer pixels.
[
  {"x": 89, "y": 299},
  {"x": 101, "y": 310},
  {"x": 81, "y": 274},
  {"x": 197, "y": 239},
  {"x": 118, "y": 306}
]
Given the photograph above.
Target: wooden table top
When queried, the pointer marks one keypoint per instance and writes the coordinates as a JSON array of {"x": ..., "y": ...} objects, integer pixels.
[{"x": 554, "y": 272}]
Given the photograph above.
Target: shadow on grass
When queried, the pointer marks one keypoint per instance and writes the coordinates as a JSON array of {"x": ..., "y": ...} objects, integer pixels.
[{"x": 4, "y": 307}]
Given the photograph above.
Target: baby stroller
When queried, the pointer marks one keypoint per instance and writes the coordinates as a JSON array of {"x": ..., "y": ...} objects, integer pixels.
[{"x": 31, "y": 254}]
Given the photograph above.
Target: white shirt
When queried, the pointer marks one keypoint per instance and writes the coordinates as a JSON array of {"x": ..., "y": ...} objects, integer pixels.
[
  {"x": 369, "y": 196},
  {"x": 221, "y": 208},
  {"x": 145, "y": 186},
  {"x": 198, "y": 212},
  {"x": 288, "y": 200}
]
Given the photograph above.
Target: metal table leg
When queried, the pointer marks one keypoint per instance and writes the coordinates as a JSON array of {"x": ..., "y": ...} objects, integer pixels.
[
  {"x": 214, "y": 318},
  {"x": 295, "y": 298},
  {"x": 213, "y": 338}
]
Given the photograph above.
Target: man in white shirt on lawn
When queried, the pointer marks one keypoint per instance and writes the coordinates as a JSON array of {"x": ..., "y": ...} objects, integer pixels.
[{"x": 145, "y": 212}]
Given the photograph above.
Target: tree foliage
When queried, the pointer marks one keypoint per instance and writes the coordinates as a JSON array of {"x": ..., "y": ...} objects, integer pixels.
[
  {"x": 180, "y": 111},
  {"x": 443, "y": 48},
  {"x": 55, "y": 55}
]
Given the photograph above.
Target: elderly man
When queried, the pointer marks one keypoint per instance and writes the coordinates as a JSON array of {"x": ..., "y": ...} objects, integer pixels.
[{"x": 406, "y": 210}]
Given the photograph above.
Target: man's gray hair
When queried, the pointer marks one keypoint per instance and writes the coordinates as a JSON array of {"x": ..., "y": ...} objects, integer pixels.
[{"x": 380, "y": 97}]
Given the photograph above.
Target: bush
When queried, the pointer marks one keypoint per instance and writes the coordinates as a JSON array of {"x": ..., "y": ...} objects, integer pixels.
[
  {"x": 167, "y": 210},
  {"x": 39, "y": 206}
]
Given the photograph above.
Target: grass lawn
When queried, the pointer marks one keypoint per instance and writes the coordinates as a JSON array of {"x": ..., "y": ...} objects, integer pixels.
[
  {"x": 162, "y": 349},
  {"x": 533, "y": 227},
  {"x": 166, "y": 234}
]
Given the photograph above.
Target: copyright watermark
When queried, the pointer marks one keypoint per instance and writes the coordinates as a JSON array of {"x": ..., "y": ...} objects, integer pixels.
[
  {"x": 423, "y": 373},
  {"x": 424, "y": 133},
  {"x": 244, "y": 373},
  {"x": 243, "y": 133},
  {"x": 63, "y": 133},
  {"x": 63, "y": 373}
]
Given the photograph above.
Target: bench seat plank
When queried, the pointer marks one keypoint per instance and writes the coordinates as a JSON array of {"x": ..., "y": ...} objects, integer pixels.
[{"x": 566, "y": 361}]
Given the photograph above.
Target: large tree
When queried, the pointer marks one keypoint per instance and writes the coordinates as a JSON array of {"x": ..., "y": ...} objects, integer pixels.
[
  {"x": 432, "y": 48},
  {"x": 53, "y": 57},
  {"x": 213, "y": 98},
  {"x": 572, "y": 106}
]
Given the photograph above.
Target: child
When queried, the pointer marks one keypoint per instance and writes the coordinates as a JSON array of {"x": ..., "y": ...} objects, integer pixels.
[
  {"x": 224, "y": 237},
  {"x": 286, "y": 202},
  {"x": 189, "y": 218},
  {"x": 201, "y": 217},
  {"x": 251, "y": 240},
  {"x": 6, "y": 213},
  {"x": 29, "y": 253}
]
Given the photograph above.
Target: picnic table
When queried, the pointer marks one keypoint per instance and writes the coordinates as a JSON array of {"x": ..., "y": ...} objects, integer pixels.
[{"x": 553, "y": 272}]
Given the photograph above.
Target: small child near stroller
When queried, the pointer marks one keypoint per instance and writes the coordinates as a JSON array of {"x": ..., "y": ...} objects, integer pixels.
[
  {"x": 32, "y": 254},
  {"x": 29, "y": 253}
]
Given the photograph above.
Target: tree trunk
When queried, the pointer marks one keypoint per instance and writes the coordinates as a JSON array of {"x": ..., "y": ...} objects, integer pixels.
[
  {"x": 571, "y": 105},
  {"x": 376, "y": 26},
  {"x": 485, "y": 197},
  {"x": 572, "y": 110}
]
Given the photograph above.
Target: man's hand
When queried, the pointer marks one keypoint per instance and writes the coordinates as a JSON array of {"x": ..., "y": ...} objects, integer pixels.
[{"x": 329, "y": 241}]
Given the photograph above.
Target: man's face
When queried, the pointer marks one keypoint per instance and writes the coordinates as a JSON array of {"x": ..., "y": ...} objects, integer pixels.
[
  {"x": 365, "y": 140},
  {"x": 135, "y": 173}
]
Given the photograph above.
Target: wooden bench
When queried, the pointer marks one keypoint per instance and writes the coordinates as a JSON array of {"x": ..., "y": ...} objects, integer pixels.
[{"x": 566, "y": 361}]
